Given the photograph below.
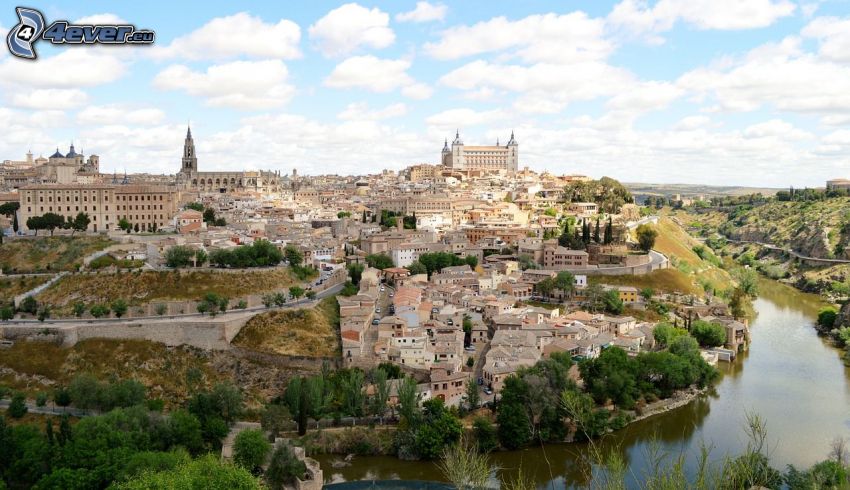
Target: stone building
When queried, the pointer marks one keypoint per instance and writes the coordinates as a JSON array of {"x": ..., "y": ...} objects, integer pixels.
[
  {"x": 497, "y": 158},
  {"x": 149, "y": 206},
  {"x": 189, "y": 178}
]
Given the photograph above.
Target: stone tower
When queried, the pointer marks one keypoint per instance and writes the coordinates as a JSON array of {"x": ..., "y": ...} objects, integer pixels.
[
  {"x": 190, "y": 161},
  {"x": 513, "y": 154}
]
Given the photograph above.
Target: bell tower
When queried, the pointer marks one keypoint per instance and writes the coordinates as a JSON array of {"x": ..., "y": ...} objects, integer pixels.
[{"x": 190, "y": 161}]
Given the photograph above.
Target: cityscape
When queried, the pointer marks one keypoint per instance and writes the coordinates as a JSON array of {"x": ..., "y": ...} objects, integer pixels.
[{"x": 439, "y": 245}]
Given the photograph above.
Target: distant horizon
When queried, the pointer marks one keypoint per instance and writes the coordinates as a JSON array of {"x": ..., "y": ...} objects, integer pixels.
[{"x": 751, "y": 93}]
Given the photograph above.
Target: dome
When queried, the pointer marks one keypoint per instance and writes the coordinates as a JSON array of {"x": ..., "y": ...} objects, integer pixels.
[
  {"x": 72, "y": 153},
  {"x": 57, "y": 154}
]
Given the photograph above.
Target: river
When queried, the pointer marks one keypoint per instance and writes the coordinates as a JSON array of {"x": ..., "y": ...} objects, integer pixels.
[{"x": 790, "y": 376}]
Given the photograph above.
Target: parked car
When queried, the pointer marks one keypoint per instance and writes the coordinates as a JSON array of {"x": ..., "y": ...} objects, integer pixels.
[
  {"x": 488, "y": 391},
  {"x": 375, "y": 321},
  {"x": 377, "y": 310}
]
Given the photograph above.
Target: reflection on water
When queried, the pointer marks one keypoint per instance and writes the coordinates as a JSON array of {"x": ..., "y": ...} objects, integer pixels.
[{"x": 790, "y": 376}]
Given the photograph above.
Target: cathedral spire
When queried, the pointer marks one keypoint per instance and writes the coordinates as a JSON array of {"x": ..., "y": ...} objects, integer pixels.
[{"x": 188, "y": 132}]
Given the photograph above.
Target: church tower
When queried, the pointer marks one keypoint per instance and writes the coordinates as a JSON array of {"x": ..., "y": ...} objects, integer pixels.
[{"x": 190, "y": 161}]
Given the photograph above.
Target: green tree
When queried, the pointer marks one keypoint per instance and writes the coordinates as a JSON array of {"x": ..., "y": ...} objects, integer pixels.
[
  {"x": 7, "y": 313},
  {"x": 205, "y": 472},
  {"x": 417, "y": 268},
  {"x": 179, "y": 256},
  {"x": 125, "y": 225},
  {"x": 119, "y": 307},
  {"x": 665, "y": 334},
  {"x": 293, "y": 256},
  {"x": 275, "y": 419},
  {"x": 379, "y": 261},
  {"x": 284, "y": 467},
  {"x": 250, "y": 449},
  {"x": 646, "y": 235},
  {"x": 81, "y": 222},
  {"x": 195, "y": 206},
  {"x": 708, "y": 334},
  {"x": 565, "y": 282},
  {"x": 473, "y": 397},
  {"x": 98, "y": 311},
  {"x": 827, "y": 317},
  {"x": 486, "y": 436},
  {"x": 355, "y": 272},
  {"x": 29, "y": 305},
  {"x": 613, "y": 303},
  {"x": 440, "y": 428},
  {"x": 79, "y": 308},
  {"x": 18, "y": 406},
  {"x": 296, "y": 292}
]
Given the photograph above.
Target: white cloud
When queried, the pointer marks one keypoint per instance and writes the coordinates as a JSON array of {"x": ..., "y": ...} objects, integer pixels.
[
  {"x": 359, "y": 111},
  {"x": 537, "y": 38},
  {"x": 776, "y": 128},
  {"x": 834, "y": 37},
  {"x": 110, "y": 114},
  {"x": 544, "y": 87},
  {"x": 347, "y": 28},
  {"x": 376, "y": 75},
  {"x": 58, "y": 99},
  {"x": 424, "y": 12},
  {"x": 244, "y": 85},
  {"x": 234, "y": 36},
  {"x": 98, "y": 19},
  {"x": 645, "y": 96},
  {"x": 462, "y": 118},
  {"x": 71, "y": 68},
  {"x": 637, "y": 17}
]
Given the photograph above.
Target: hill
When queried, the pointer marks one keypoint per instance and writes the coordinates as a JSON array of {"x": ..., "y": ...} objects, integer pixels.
[
  {"x": 45, "y": 254},
  {"x": 310, "y": 332}
]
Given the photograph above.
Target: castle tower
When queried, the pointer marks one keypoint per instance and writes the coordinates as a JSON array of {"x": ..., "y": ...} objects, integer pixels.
[
  {"x": 513, "y": 154},
  {"x": 190, "y": 161},
  {"x": 458, "y": 160}
]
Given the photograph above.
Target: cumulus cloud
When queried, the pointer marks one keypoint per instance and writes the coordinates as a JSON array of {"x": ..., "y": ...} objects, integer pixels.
[
  {"x": 97, "y": 19},
  {"x": 537, "y": 38},
  {"x": 639, "y": 18},
  {"x": 465, "y": 117},
  {"x": 424, "y": 12},
  {"x": 345, "y": 29},
  {"x": 234, "y": 36},
  {"x": 71, "y": 68},
  {"x": 376, "y": 75},
  {"x": 243, "y": 85},
  {"x": 360, "y": 111},
  {"x": 833, "y": 34},
  {"x": 115, "y": 113},
  {"x": 43, "y": 99}
]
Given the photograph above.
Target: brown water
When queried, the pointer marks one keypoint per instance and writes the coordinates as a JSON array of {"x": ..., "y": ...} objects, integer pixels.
[{"x": 790, "y": 376}]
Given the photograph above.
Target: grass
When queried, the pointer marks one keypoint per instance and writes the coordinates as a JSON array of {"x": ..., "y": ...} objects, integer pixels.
[
  {"x": 304, "y": 332},
  {"x": 13, "y": 286},
  {"x": 666, "y": 280},
  {"x": 60, "y": 253},
  {"x": 108, "y": 261},
  {"x": 142, "y": 287},
  {"x": 35, "y": 366}
]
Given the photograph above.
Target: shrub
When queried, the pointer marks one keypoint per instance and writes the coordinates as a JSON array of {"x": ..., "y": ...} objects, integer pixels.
[
  {"x": 18, "y": 406},
  {"x": 285, "y": 467},
  {"x": 250, "y": 449}
]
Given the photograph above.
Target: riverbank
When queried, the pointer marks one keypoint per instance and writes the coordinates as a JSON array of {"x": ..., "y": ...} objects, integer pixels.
[{"x": 678, "y": 400}]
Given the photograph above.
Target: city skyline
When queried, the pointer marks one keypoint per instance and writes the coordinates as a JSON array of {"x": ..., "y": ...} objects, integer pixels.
[{"x": 722, "y": 93}]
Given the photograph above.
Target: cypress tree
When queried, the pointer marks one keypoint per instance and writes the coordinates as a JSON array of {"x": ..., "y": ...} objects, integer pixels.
[
  {"x": 609, "y": 232},
  {"x": 596, "y": 232}
]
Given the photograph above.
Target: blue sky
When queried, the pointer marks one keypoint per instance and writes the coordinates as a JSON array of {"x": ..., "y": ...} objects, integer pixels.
[{"x": 727, "y": 92}]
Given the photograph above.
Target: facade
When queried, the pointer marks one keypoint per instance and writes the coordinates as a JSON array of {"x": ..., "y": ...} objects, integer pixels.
[
  {"x": 189, "y": 178},
  {"x": 495, "y": 158},
  {"x": 149, "y": 206}
]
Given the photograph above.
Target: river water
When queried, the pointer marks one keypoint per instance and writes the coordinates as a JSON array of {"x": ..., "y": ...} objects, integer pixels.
[{"x": 790, "y": 376}]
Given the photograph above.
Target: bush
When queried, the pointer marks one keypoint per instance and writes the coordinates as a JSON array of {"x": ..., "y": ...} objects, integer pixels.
[
  {"x": 284, "y": 467},
  {"x": 41, "y": 399},
  {"x": 827, "y": 317},
  {"x": 18, "y": 406},
  {"x": 485, "y": 434},
  {"x": 708, "y": 334},
  {"x": 261, "y": 253},
  {"x": 250, "y": 449}
]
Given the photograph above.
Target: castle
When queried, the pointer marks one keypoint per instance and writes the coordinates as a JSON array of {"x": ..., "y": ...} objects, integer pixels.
[
  {"x": 189, "y": 178},
  {"x": 497, "y": 158}
]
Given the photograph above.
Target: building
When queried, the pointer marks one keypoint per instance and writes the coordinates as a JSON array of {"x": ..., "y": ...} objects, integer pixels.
[
  {"x": 189, "y": 178},
  {"x": 838, "y": 184},
  {"x": 496, "y": 158},
  {"x": 148, "y": 206}
]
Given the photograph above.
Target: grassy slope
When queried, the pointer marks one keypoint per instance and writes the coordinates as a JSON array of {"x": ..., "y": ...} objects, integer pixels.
[
  {"x": 37, "y": 365},
  {"x": 49, "y": 253},
  {"x": 143, "y": 287},
  {"x": 13, "y": 286},
  {"x": 305, "y": 332},
  {"x": 687, "y": 272}
]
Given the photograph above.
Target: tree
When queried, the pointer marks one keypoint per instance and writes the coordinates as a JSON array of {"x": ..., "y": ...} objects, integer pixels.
[
  {"x": 179, "y": 256},
  {"x": 275, "y": 419},
  {"x": 473, "y": 397},
  {"x": 293, "y": 256},
  {"x": 440, "y": 428},
  {"x": 47, "y": 221},
  {"x": 10, "y": 209},
  {"x": 311, "y": 295},
  {"x": 284, "y": 467},
  {"x": 7, "y": 313},
  {"x": 205, "y": 472},
  {"x": 647, "y": 294},
  {"x": 79, "y": 308},
  {"x": 125, "y": 225},
  {"x": 378, "y": 403},
  {"x": 708, "y": 334},
  {"x": 18, "y": 406},
  {"x": 665, "y": 334},
  {"x": 485, "y": 434},
  {"x": 596, "y": 233},
  {"x": 250, "y": 449},
  {"x": 85, "y": 391},
  {"x": 545, "y": 287},
  {"x": 296, "y": 291},
  {"x": 408, "y": 402},
  {"x": 119, "y": 308},
  {"x": 613, "y": 303},
  {"x": 565, "y": 281},
  {"x": 471, "y": 261},
  {"x": 196, "y": 206},
  {"x": 136, "y": 227},
  {"x": 646, "y": 235},
  {"x": 81, "y": 222},
  {"x": 62, "y": 397},
  {"x": 201, "y": 257},
  {"x": 355, "y": 272},
  {"x": 209, "y": 215},
  {"x": 827, "y": 317},
  {"x": 29, "y": 305},
  {"x": 43, "y": 313},
  {"x": 98, "y": 311},
  {"x": 416, "y": 267},
  {"x": 609, "y": 232},
  {"x": 379, "y": 261}
]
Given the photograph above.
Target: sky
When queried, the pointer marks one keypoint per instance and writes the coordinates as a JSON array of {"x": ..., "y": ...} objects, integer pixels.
[{"x": 719, "y": 92}]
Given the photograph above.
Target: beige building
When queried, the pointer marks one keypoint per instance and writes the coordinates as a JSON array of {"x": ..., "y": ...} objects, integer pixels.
[
  {"x": 497, "y": 158},
  {"x": 221, "y": 182},
  {"x": 149, "y": 206}
]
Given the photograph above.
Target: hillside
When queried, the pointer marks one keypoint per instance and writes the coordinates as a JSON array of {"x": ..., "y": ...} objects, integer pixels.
[
  {"x": 310, "y": 332},
  {"x": 814, "y": 228},
  {"x": 41, "y": 254},
  {"x": 143, "y": 287},
  {"x": 13, "y": 286}
]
